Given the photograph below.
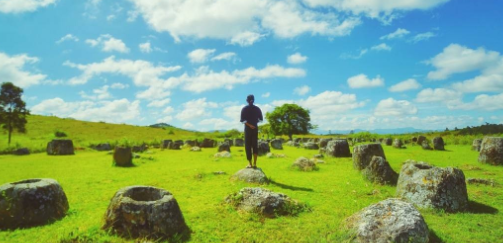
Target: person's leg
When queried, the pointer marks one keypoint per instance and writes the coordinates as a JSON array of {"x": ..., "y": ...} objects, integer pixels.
[
  {"x": 255, "y": 146},
  {"x": 248, "y": 145}
]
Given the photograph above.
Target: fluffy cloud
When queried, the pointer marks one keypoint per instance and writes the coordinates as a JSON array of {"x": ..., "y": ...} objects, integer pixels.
[
  {"x": 225, "y": 56},
  {"x": 20, "y": 6},
  {"x": 145, "y": 47},
  {"x": 200, "y": 55},
  {"x": 240, "y": 22},
  {"x": 266, "y": 95},
  {"x": 392, "y": 107},
  {"x": 482, "y": 102},
  {"x": 68, "y": 37},
  {"x": 98, "y": 94},
  {"x": 459, "y": 59},
  {"x": 405, "y": 85},
  {"x": 362, "y": 81},
  {"x": 399, "y": 33},
  {"x": 116, "y": 111},
  {"x": 490, "y": 80},
  {"x": 438, "y": 95},
  {"x": 296, "y": 58},
  {"x": 119, "y": 86},
  {"x": 108, "y": 44},
  {"x": 219, "y": 124},
  {"x": 159, "y": 103},
  {"x": 302, "y": 90},
  {"x": 13, "y": 69},
  {"x": 422, "y": 37},
  {"x": 195, "y": 109},
  {"x": 381, "y": 47}
]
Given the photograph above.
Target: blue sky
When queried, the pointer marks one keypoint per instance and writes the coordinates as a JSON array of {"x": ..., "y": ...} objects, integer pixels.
[{"x": 355, "y": 64}]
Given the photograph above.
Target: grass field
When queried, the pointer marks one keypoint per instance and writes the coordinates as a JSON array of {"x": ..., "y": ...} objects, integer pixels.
[{"x": 333, "y": 193}]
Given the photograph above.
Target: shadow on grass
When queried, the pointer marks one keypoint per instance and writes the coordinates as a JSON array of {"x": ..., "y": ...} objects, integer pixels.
[
  {"x": 433, "y": 237},
  {"x": 293, "y": 188},
  {"x": 479, "y": 208}
]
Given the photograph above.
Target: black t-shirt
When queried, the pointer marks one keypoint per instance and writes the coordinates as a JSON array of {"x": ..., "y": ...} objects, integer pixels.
[{"x": 251, "y": 114}]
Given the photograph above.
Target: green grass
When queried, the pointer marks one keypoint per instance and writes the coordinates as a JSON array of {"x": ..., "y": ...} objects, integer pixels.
[{"x": 333, "y": 193}]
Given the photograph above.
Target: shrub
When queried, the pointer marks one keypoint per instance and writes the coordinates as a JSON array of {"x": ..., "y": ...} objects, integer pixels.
[{"x": 60, "y": 134}]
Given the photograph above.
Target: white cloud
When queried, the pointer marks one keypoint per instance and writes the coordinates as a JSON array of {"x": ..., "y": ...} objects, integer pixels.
[
  {"x": 132, "y": 15},
  {"x": 159, "y": 103},
  {"x": 302, "y": 90},
  {"x": 350, "y": 56},
  {"x": 482, "y": 102},
  {"x": 116, "y": 111},
  {"x": 200, "y": 55},
  {"x": 392, "y": 107},
  {"x": 111, "y": 17},
  {"x": 241, "y": 22},
  {"x": 438, "y": 95},
  {"x": 422, "y": 37},
  {"x": 166, "y": 119},
  {"x": 195, "y": 109},
  {"x": 219, "y": 124},
  {"x": 225, "y": 56},
  {"x": 119, "y": 86},
  {"x": 108, "y": 44},
  {"x": 68, "y": 37},
  {"x": 99, "y": 94},
  {"x": 15, "y": 69},
  {"x": 145, "y": 47},
  {"x": 188, "y": 125},
  {"x": 490, "y": 80},
  {"x": 20, "y": 6},
  {"x": 381, "y": 47},
  {"x": 405, "y": 85},
  {"x": 266, "y": 95},
  {"x": 459, "y": 59},
  {"x": 399, "y": 33},
  {"x": 362, "y": 81},
  {"x": 296, "y": 58},
  {"x": 168, "y": 110}
]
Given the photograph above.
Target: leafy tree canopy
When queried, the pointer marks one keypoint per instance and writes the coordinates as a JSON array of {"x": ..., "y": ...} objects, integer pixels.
[
  {"x": 289, "y": 119},
  {"x": 12, "y": 109}
]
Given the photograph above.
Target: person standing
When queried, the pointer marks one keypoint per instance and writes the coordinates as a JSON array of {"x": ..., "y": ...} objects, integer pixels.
[{"x": 251, "y": 115}]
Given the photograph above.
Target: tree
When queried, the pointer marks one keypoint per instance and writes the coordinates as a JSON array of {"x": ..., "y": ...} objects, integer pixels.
[
  {"x": 12, "y": 109},
  {"x": 289, "y": 119}
]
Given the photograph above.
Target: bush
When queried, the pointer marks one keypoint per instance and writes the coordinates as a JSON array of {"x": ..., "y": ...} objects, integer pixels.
[{"x": 60, "y": 134}]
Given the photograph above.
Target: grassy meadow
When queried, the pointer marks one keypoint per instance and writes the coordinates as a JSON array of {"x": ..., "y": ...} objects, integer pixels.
[{"x": 333, "y": 193}]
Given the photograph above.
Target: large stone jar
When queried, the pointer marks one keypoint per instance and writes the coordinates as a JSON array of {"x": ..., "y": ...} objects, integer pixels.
[{"x": 491, "y": 151}]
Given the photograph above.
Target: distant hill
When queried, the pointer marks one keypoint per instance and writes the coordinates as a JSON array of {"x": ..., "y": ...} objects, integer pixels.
[
  {"x": 160, "y": 125},
  {"x": 482, "y": 129}
]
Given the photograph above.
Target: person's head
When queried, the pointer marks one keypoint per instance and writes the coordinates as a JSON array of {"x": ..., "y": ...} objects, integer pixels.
[{"x": 250, "y": 99}]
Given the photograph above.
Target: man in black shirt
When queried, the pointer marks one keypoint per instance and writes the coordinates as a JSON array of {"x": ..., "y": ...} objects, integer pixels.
[{"x": 250, "y": 116}]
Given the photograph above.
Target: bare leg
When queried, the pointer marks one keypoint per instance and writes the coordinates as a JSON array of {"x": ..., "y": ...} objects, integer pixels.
[{"x": 255, "y": 160}]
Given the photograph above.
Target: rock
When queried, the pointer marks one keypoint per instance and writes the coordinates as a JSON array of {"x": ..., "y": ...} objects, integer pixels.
[
  {"x": 195, "y": 149},
  {"x": 102, "y": 147},
  {"x": 379, "y": 171},
  {"x": 219, "y": 173},
  {"x": 338, "y": 148},
  {"x": 388, "y": 141},
  {"x": 304, "y": 164},
  {"x": 263, "y": 148},
  {"x": 207, "y": 143},
  {"x": 391, "y": 220},
  {"x": 238, "y": 142},
  {"x": 250, "y": 175},
  {"x": 420, "y": 140},
  {"x": 144, "y": 211},
  {"x": 318, "y": 156},
  {"x": 292, "y": 143},
  {"x": 123, "y": 156},
  {"x": 311, "y": 145},
  {"x": 397, "y": 143},
  {"x": 31, "y": 202},
  {"x": 271, "y": 155},
  {"x": 476, "y": 144},
  {"x": 21, "y": 151},
  {"x": 224, "y": 147},
  {"x": 139, "y": 149},
  {"x": 178, "y": 143},
  {"x": 425, "y": 145},
  {"x": 228, "y": 141},
  {"x": 277, "y": 144},
  {"x": 223, "y": 154},
  {"x": 491, "y": 151},
  {"x": 432, "y": 187},
  {"x": 478, "y": 181},
  {"x": 362, "y": 154},
  {"x": 324, "y": 142},
  {"x": 264, "y": 202},
  {"x": 438, "y": 143},
  {"x": 60, "y": 147},
  {"x": 414, "y": 139},
  {"x": 297, "y": 140},
  {"x": 191, "y": 143},
  {"x": 136, "y": 156},
  {"x": 175, "y": 145},
  {"x": 166, "y": 143}
]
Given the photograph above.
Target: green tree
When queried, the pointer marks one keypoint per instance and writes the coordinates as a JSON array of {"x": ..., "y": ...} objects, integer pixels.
[
  {"x": 289, "y": 119},
  {"x": 12, "y": 109}
]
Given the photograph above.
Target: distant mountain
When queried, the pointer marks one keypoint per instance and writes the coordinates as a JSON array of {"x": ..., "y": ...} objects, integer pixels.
[{"x": 402, "y": 130}]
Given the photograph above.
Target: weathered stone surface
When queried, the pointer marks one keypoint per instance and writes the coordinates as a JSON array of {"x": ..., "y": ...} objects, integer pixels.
[
  {"x": 391, "y": 220},
  {"x": 191, "y": 143},
  {"x": 362, "y": 154},
  {"x": 195, "y": 149},
  {"x": 397, "y": 143},
  {"x": 420, "y": 140},
  {"x": 432, "y": 187},
  {"x": 292, "y": 143},
  {"x": 379, "y": 171},
  {"x": 250, "y": 175},
  {"x": 21, "y": 151},
  {"x": 318, "y": 156},
  {"x": 31, "y": 202},
  {"x": 438, "y": 143},
  {"x": 264, "y": 202},
  {"x": 229, "y": 142},
  {"x": 388, "y": 141},
  {"x": 478, "y": 181},
  {"x": 139, "y": 148},
  {"x": 178, "y": 143},
  {"x": 277, "y": 144},
  {"x": 304, "y": 164},
  {"x": 338, "y": 148},
  {"x": 223, "y": 154},
  {"x": 324, "y": 142},
  {"x": 102, "y": 147},
  {"x": 477, "y": 143},
  {"x": 208, "y": 143},
  {"x": 263, "y": 148},
  {"x": 491, "y": 151},
  {"x": 311, "y": 145},
  {"x": 144, "y": 211},
  {"x": 414, "y": 139},
  {"x": 297, "y": 140},
  {"x": 425, "y": 145},
  {"x": 123, "y": 156},
  {"x": 272, "y": 155},
  {"x": 60, "y": 147},
  {"x": 166, "y": 143},
  {"x": 238, "y": 142},
  {"x": 224, "y": 147}
]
